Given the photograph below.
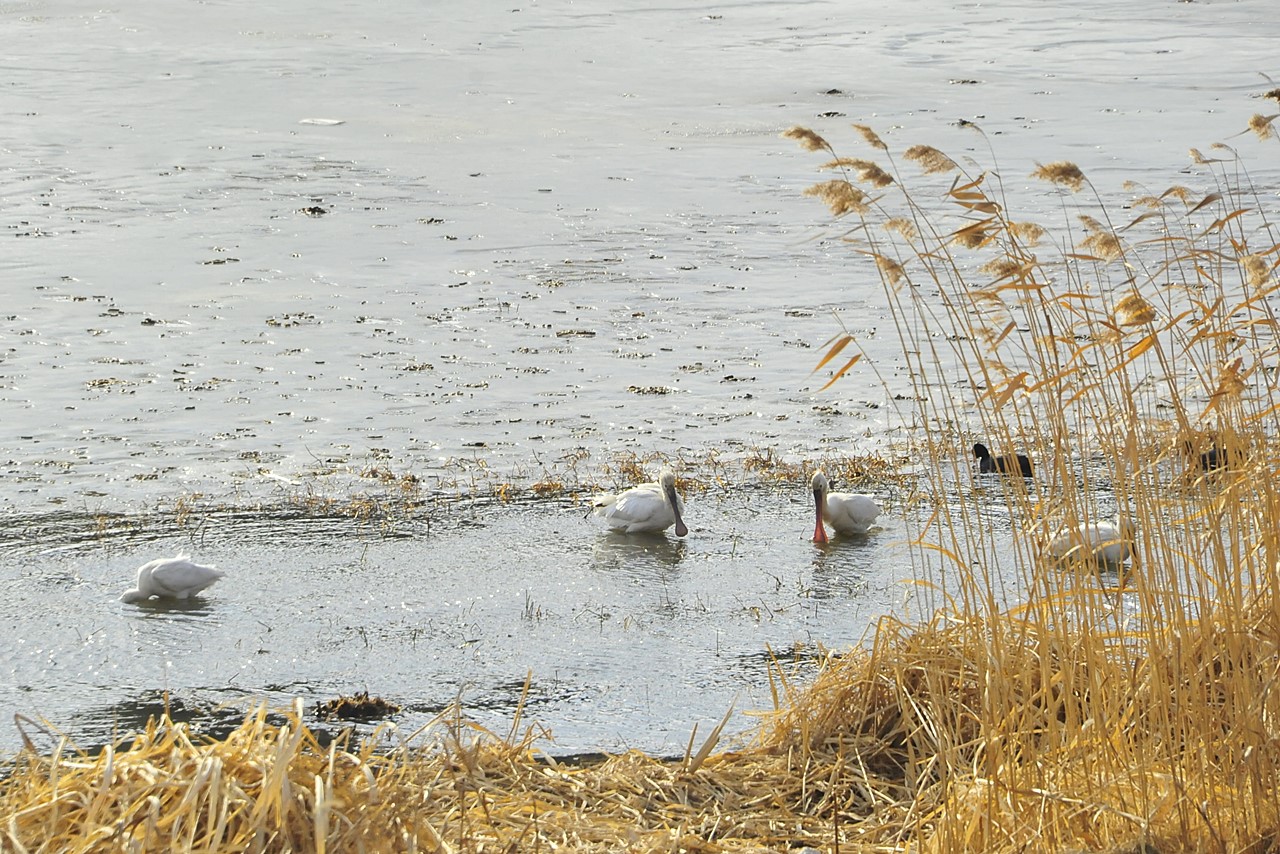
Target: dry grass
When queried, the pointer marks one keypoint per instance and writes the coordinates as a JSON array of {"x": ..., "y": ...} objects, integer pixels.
[
  {"x": 275, "y": 788},
  {"x": 1139, "y": 367}
]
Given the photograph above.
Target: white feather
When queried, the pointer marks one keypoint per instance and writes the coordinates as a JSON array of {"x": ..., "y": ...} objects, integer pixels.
[
  {"x": 644, "y": 508},
  {"x": 1108, "y": 543},
  {"x": 845, "y": 512},
  {"x": 171, "y": 577}
]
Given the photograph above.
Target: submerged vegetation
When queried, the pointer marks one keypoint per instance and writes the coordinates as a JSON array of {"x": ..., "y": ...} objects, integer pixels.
[{"x": 1053, "y": 705}]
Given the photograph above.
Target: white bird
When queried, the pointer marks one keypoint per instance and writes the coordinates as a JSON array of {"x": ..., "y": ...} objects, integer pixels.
[
  {"x": 647, "y": 507},
  {"x": 171, "y": 577},
  {"x": 846, "y": 512},
  {"x": 1108, "y": 543}
]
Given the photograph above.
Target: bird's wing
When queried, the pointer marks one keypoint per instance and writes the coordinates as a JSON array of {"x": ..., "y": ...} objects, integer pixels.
[
  {"x": 852, "y": 510},
  {"x": 637, "y": 505},
  {"x": 179, "y": 575}
]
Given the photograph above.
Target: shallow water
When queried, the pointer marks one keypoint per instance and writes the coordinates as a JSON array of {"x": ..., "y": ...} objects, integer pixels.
[
  {"x": 256, "y": 249},
  {"x": 627, "y": 640}
]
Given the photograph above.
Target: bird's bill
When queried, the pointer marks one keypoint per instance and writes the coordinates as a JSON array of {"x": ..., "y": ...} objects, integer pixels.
[
  {"x": 819, "y": 530},
  {"x": 673, "y": 500}
]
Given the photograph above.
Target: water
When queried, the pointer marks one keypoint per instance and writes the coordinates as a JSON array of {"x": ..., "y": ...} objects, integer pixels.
[
  {"x": 627, "y": 640},
  {"x": 260, "y": 250}
]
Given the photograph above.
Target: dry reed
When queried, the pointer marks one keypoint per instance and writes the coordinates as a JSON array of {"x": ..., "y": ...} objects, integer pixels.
[{"x": 1043, "y": 708}]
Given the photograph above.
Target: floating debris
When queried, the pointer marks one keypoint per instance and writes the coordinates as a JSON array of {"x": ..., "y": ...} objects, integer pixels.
[
  {"x": 288, "y": 319},
  {"x": 358, "y": 707}
]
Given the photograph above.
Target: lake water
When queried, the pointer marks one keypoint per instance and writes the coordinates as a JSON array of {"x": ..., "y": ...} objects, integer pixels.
[{"x": 257, "y": 250}]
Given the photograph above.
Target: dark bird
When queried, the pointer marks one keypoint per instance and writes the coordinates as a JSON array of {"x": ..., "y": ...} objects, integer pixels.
[
  {"x": 1008, "y": 464},
  {"x": 1214, "y": 458}
]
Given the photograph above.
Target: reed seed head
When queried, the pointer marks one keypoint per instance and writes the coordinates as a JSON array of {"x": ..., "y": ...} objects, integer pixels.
[
  {"x": 891, "y": 270},
  {"x": 840, "y": 197},
  {"x": 867, "y": 170},
  {"x": 1028, "y": 232},
  {"x": 1256, "y": 270},
  {"x": 1105, "y": 246},
  {"x": 1261, "y": 125},
  {"x": 1100, "y": 241},
  {"x": 973, "y": 236},
  {"x": 1005, "y": 267},
  {"x": 903, "y": 226},
  {"x": 931, "y": 160},
  {"x": 871, "y": 138},
  {"x": 809, "y": 140},
  {"x": 1133, "y": 310},
  {"x": 1062, "y": 173}
]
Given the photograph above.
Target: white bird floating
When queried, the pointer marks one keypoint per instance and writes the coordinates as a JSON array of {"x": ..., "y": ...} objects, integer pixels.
[
  {"x": 845, "y": 512},
  {"x": 1108, "y": 543},
  {"x": 648, "y": 507},
  {"x": 172, "y": 578}
]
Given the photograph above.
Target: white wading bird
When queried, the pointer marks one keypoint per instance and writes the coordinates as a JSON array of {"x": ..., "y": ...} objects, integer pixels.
[
  {"x": 171, "y": 577},
  {"x": 647, "y": 507},
  {"x": 846, "y": 512},
  {"x": 1108, "y": 543}
]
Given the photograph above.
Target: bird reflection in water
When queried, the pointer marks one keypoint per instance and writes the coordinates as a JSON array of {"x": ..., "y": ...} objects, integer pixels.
[
  {"x": 634, "y": 553},
  {"x": 840, "y": 565},
  {"x": 180, "y": 609}
]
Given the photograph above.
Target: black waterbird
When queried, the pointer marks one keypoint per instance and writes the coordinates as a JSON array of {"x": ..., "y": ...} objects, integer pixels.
[{"x": 1007, "y": 464}]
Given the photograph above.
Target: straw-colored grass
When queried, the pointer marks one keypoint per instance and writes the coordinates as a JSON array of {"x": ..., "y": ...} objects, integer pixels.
[
  {"x": 1042, "y": 707},
  {"x": 274, "y": 788}
]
